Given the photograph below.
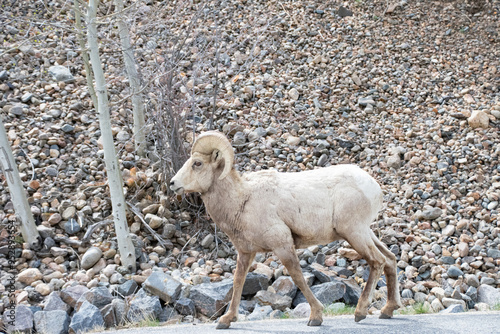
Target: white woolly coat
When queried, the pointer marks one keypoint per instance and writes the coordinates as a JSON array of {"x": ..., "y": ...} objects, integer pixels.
[{"x": 306, "y": 206}]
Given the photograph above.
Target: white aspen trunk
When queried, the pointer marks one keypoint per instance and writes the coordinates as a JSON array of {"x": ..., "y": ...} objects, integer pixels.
[
  {"x": 125, "y": 245},
  {"x": 85, "y": 55},
  {"x": 17, "y": 192},
  {"x": 133, "y": 77}
]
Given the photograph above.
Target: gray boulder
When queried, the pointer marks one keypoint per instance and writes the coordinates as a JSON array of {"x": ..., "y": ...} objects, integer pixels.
[
  {"x": 120, "y": 309},
  {"x": 239, "y": 139},
  {"x": 323, "y": 274},
  {"x": 91, "y": 256},
  {"x": 455, "y": 308},
  {"x": 494, "y": 253},
  {"x": 54, "y": 302},
  {"x": 430, "y": 214},
  {"x": 326, "y": 293},
  {"x": 61, "y": 73},
  {"x": 108, "y": 315},
  {"x": 488, "y": 294},
  {"x": 88, "y": 318},
  {"x": 285, "y": 286},
  {"x": 144, "y": 307},
  {"x": 260, "y": 313},
  {"x": 246, "y": 306},
  {"x": 98, "y": 296},
  {"x": 276, "y": 301},
  {"x": 343, "y": 12},
  {"x": 255, "y": 282},
  {"x": 363, "y": 101},
  {"x": 303, "y": 310},
  {"x": 52, "y": 322},
  {"x": 163, "y": 286},
  {"x": 17, "y": 110},
  {"x": 454, "y": 272},
  {"x": 168, "y": 313},
  {"x": 210, "y": 299},
  {"x": 185, "y": 306},
  {"x": 127, "y": 288},
  {"x": 21, "y": 321},
  {"x": 352, "y": 291},
  {"x": 71, "y": 294}
]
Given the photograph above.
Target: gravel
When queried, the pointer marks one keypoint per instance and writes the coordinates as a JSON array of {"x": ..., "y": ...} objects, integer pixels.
[{"x": 409, "y": 94}]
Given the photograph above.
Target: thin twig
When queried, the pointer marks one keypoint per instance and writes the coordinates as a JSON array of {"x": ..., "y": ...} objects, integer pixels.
[
  {"x": 93, "y": 227},
  {"x": 216, "y": 241},
  {"x": 216, "y": 88},
  {"x": 185, "y": 245},
  {"x": 386, "y": 7},
  {"x": 31, "y": 163},
  {"x": 136, "y": 211}
]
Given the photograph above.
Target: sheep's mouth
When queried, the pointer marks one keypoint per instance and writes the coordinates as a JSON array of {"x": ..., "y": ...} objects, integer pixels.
[{"x": 178, "y": 191}]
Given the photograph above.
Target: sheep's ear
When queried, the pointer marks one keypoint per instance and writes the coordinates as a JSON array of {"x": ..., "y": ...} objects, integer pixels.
[{"x": 216, "y": 156}]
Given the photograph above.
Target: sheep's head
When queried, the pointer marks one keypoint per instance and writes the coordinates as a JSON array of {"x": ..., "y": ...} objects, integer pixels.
[{"x": 211, "y": 156}]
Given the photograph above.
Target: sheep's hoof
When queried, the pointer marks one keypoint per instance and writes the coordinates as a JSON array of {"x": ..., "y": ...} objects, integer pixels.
[
  {"x": 315, "y": 322},
  {"x": 385, "y": 316},
  {"x": 358, "y": 318},
  {"x": 221, "y": 325}
]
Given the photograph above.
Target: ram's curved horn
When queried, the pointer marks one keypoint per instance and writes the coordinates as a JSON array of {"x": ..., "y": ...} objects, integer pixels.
[{"x": 208, "y": 141}]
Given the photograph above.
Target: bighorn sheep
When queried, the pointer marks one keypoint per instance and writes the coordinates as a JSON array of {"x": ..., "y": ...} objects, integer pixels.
[{"x": 270, "y": 211}]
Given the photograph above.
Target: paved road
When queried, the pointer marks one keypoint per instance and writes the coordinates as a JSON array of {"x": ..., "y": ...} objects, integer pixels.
[{"x": 469, "y": 323}]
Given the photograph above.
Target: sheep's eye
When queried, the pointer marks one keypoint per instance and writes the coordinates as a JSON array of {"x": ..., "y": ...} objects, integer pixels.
[{"x": 197, "y": 164}]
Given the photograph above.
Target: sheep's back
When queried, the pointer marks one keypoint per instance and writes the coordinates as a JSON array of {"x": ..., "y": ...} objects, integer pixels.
[{"x": 312, "y": 203}]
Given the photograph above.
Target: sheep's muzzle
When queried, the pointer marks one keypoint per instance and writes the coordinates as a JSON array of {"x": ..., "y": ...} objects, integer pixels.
[{"x": 176, "y": 189}]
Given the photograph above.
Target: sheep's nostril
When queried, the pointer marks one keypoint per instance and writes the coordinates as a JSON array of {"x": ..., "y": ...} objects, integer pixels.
[{"x": 172, "y": 183}]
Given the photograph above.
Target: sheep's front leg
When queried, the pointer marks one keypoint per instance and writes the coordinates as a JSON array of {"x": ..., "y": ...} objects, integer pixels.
[
  {"x": 242, "y": 265},
  {"x": 290, "y": 260}
]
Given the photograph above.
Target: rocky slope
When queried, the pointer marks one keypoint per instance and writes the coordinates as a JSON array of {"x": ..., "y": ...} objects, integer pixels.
[{"x": 410, "y": 92}]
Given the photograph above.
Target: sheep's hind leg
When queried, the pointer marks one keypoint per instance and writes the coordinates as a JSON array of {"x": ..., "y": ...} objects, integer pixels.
[
  {"x": 364, "y": 245},
  {"x": 393, "y": 297},
  {"x": 242, "y": 266},
  {"x": 290, "y": 260}
]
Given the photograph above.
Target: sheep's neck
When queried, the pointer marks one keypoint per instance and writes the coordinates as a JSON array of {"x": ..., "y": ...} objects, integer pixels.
[{"x": 225, "y": 201}]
